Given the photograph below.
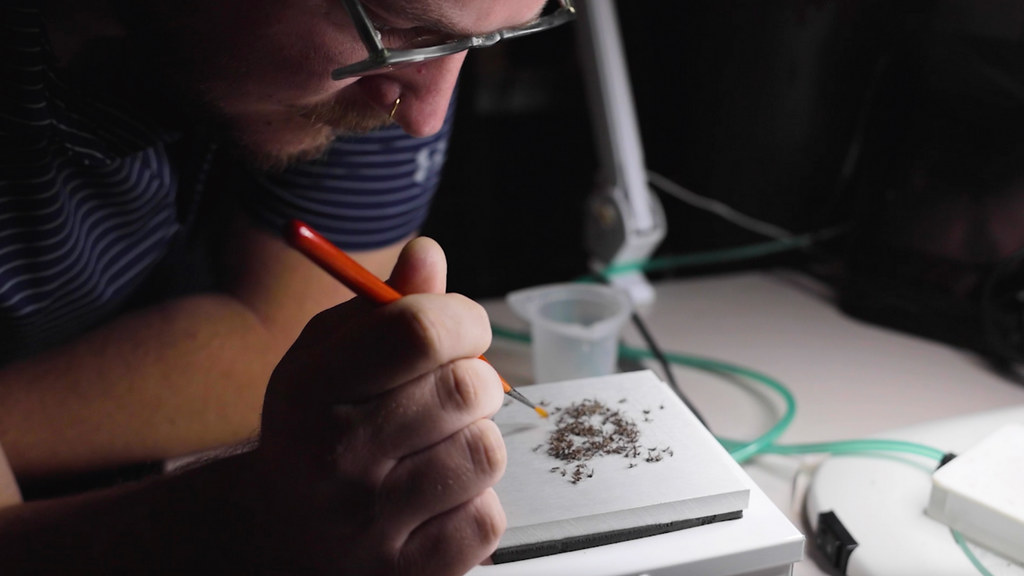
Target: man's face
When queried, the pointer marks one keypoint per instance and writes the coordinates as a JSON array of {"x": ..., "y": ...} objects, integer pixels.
[{"x": 263, "y": 66}]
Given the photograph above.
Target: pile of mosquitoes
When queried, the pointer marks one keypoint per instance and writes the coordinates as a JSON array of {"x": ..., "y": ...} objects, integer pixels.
[{"x": 587, "y": 429}]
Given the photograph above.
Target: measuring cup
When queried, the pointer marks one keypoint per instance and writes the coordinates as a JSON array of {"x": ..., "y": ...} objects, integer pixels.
[{"x": 574, "y": 328}]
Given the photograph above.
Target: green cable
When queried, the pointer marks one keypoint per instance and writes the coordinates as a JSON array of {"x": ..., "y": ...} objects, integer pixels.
[
  {"x": 710, "y": 257},
  {"x": 854, "y": 446},
  {"x": 510, "y": 334},
  {"x": 741, "y": 452},
  {"x": 765, "y": 444},
  {"x": 959, "y": 538}
]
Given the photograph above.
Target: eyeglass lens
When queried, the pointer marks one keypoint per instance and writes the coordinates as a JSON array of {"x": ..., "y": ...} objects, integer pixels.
[{"x": 403, "y": 47}]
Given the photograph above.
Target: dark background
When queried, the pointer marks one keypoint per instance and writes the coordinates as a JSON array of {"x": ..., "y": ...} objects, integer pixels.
[{"x": 900, "y": 121}]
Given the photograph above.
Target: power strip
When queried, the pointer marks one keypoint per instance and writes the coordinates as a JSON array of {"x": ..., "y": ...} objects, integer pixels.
[{"x": 980, "y": 493}]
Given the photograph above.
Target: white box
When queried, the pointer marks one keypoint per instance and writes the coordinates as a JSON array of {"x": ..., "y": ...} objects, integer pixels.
[{"x": 980, "y": 493}]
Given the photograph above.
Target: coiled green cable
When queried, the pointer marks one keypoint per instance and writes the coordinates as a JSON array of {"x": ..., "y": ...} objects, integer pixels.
[{"x": 739, "y": 451}]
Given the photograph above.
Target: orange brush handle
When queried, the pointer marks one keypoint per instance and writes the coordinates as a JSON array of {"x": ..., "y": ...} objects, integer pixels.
[
  {"x": 346, "y": 270},
  {"x": 340, "y": 265}
]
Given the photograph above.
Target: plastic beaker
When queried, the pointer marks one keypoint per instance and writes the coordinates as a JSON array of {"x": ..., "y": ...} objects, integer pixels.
[{"x": 574, "y": 328}]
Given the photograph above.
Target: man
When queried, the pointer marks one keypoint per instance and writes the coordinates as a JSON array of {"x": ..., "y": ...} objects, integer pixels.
[{"x": 364, "y": 401}]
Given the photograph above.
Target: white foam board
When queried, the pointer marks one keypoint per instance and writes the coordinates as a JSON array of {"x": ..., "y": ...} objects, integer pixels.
[
  {"x": 698, "y": 480},
  {"x": 762, "y": 543}
]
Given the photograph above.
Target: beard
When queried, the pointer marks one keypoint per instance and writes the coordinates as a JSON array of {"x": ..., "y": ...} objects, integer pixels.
[{"x": 179, "y": 79}]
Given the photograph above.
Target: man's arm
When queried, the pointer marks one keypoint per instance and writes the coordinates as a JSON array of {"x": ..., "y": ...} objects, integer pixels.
[
  {"x": 179, "y": 377},
  {"x": 9, "y": 493},
  {"x": 377, "y": 455}
]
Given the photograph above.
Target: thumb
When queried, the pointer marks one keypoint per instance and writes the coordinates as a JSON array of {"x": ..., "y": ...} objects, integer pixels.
[{"x": 421, "y": 268}]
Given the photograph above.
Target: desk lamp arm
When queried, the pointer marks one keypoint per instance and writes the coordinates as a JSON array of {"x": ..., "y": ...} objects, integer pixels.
[{"x": 624, "y": 219}]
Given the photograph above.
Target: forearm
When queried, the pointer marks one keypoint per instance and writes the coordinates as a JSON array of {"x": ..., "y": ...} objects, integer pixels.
[
  {"x": 184, "y": 376},
  {"x": 196, "y": 522},
  {"x": 180, "y": 377},
  {"x": 9, "y": 492}
]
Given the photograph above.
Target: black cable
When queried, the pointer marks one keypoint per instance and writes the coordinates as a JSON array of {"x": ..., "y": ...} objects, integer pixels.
[{"x": 659, "y": 355}]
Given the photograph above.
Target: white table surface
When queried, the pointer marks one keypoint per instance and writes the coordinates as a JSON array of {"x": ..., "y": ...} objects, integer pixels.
[{"x": 851, "y": 379}]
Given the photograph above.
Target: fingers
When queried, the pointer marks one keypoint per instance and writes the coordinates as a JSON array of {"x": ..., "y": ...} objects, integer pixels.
[
  {"x": 442, "y": 477},
  {"x": 464, "y": 537},
  {"x": 421, "y": 268},
  {"x": 433, "y": 407},
  {"x": 379, "y": 438},
  {"x": 358, "y": 349},
  {"x": 414, "y": 336},
  {"x": 349, "y": 354}
]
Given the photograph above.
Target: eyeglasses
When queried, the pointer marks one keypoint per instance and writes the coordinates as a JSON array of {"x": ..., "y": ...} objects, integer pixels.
[{"x": 423, "y": 47}]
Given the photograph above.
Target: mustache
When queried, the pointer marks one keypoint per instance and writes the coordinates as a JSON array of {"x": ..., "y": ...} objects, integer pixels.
[
  {"x": 327, "y": 120},
  {"x": 347, "y": 117}
]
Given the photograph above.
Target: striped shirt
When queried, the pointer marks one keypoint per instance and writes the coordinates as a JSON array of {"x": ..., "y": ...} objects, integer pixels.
[{"x": 96, "y": 199}]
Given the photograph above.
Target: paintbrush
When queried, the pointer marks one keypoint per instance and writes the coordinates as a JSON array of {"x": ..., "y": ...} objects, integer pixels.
[{"x": 337, "y": 263}]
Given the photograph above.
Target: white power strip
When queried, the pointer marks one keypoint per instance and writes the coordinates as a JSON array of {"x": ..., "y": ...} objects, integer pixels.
[
  {"x": 880, "y": 501},
  {"x": 981, "y": 492}
]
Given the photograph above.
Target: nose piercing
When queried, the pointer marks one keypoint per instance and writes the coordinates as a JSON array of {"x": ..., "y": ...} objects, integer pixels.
[{"x": 394, "y": 109}]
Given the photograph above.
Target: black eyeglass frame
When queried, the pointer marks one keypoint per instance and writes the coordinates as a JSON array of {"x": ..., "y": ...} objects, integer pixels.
[{"x": 381, "y": 58}]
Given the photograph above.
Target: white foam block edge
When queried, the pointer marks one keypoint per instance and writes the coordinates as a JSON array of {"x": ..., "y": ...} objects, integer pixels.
[
  {"x": 700, "y": 480},
  {"x": 980, "y": 493}
]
